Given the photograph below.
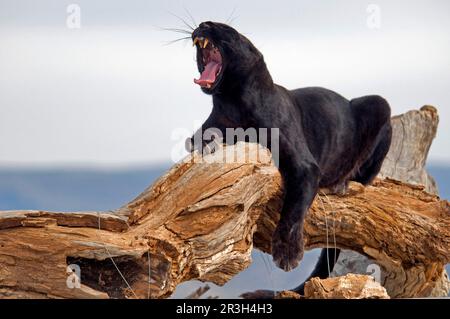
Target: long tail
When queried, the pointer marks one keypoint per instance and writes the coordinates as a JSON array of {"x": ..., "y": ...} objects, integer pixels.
[{"x": 325, "y": 264}]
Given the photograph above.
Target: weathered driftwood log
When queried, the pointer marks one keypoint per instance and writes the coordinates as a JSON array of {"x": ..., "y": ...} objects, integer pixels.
[
  {"x": 413, "y": 134},
  {"x": 201, "y": 221}
]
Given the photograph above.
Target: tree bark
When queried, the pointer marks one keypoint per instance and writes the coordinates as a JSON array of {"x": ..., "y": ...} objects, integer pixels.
[{"x": 201, "y": 220}]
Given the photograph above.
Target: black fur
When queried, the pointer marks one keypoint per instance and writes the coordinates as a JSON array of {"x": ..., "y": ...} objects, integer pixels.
[{"x": 325, "y": 139}]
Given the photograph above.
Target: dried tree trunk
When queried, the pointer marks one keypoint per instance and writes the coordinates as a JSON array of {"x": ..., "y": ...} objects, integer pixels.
[
  {"x": 413, "y": 134},
  {"x": 201, "y": 221}
]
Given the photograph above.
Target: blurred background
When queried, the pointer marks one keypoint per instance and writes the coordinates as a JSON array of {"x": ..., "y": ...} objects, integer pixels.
[{"x": 94, "y": 103}]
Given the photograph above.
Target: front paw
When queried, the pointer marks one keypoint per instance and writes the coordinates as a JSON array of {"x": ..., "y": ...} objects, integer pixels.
[
  {"x": 203, "y": 147},
  {"x": 287, "y": 246}
]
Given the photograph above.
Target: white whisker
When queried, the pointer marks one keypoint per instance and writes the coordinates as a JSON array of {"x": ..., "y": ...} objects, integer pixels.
[
  {"x": 326, "y": 234},
  {"x": 182, "y": 20},
  {"x": 230, "y": 17},
  {"x": 334, "y": 226},
  {"x": 190, "y": 16}
]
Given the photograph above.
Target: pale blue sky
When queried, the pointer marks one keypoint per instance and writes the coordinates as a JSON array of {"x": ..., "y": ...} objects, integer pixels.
[{"x": 111, "y": 93}]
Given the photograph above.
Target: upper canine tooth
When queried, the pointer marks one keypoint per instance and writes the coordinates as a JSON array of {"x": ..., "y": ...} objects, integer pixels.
[
  {"x": 205, "y": 43},
  {"x": 195, "y": 41}
]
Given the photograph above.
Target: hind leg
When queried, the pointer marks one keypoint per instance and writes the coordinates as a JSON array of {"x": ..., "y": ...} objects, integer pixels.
[
  {"x": 372, "y": 166},
  {"x": 372, "y": 139},
  {"x": 373, "y": 117}
]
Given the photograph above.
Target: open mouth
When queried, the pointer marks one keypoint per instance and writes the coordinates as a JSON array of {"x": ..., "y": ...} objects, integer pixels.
[{"x": 211, "y": 64}]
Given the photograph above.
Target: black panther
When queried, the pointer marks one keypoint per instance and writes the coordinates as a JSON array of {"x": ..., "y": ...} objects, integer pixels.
[{"x": 325, "y": 140}]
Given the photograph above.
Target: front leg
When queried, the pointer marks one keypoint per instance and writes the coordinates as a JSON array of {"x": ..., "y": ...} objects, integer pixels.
[
  {"x": 301, "y": 181},
  {"x": 208, "y": 137}
]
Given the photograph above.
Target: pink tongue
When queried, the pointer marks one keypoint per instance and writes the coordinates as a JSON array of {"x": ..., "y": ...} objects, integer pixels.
[{"x": 208, "y": 76}]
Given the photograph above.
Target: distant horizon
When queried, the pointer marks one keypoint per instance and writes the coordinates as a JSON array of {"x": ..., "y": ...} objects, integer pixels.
[{"x": 125, "y": 166}]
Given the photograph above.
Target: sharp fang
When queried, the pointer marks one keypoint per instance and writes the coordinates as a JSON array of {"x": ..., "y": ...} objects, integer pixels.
[
  {"x": 195, "y": 41},
  {"x": 205, "y": 43}
]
